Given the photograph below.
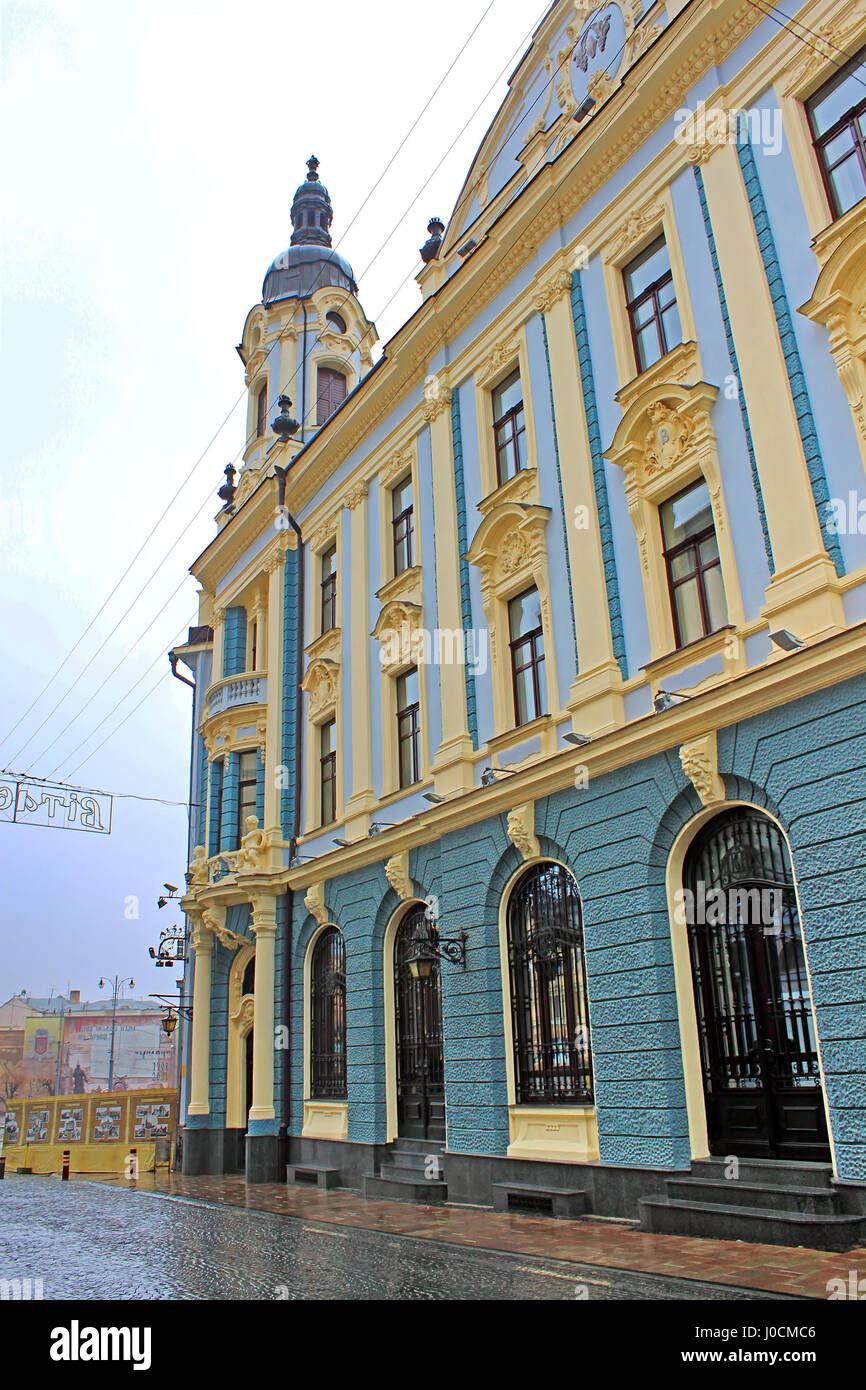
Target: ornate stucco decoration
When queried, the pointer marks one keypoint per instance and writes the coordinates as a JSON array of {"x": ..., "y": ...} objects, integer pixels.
[
  {"x": 254, "y": 855},
  {"x": 523, "y": 487},
  {"x": 400, "y": 633},
  {"x": 825, "y": 46},
  {"x": 198, "y": 867},
  {"x": 666, "y": 438},
  {"x": 326, "y": 647},
  {"x": 521, "y": 830},
  {"x": 214, "y": 920},
  {"x": 510, "y": 543},
  {"x": 629, "y": 232},
  {"x": 403, "y": 588},
  {"x": 314, "y": 902},
  {"x": 437, "y": 398},
  {"x": 699, "y": 760},
  {"x": 239, "y": 966},
  {"x": 245, "y": 1013},
  {"x": 551, "y": 290},
  {"x": 397, "y": 874},
  {"x": 322, "y": 683},
  {"x": 500, "y": 356},
  {"x": 323, "y": 533},
  {"x": 399, "y": 462},
  {"x": 356, "y": 495},
  {"x": 837, "y": 303}
]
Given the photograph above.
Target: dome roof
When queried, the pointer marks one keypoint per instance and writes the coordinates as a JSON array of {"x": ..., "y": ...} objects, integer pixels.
[
  {"x": 309, "y": 262},
  {"x": 303, "y": 269}
]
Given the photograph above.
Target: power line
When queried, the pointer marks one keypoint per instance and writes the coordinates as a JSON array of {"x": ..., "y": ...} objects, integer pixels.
[
  {"x": 345, "y": 361},
  {"x": 234, "y": 407},
  {"x": 93, "y": 791}
]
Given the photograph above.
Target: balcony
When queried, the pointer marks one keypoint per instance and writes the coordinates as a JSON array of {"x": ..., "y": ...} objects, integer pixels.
[{"x": 232, "y": 691}]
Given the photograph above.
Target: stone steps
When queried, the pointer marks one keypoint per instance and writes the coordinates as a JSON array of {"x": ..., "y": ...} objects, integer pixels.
[{"x": 402, "y": 1176}]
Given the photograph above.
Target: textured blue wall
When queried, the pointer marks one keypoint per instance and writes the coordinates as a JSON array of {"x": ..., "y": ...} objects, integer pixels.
[{"x": 234, "y": 641}]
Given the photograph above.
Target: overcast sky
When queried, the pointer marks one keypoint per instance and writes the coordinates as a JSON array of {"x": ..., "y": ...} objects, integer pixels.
[{"x": 149, "y": 155}]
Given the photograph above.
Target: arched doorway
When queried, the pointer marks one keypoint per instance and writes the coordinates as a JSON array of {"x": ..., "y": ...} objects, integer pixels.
[
  {"x": 418, "y": 1019},
  {"x": 759, "y": 1057}
]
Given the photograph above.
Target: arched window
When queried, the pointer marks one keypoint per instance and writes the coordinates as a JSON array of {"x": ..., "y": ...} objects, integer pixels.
[
  {"x": 248, "y": 985},
  {"x": 549, "y": 1007},
  {"x": 336, "y": 320},
  {"x": 262, "y": 411},
  {"x": 330, "y": 392},
  {"x": 328, "y": 1018}
]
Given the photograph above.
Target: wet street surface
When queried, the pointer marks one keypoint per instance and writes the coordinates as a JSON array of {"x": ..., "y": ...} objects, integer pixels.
[{"x": 85, "y": 1240}]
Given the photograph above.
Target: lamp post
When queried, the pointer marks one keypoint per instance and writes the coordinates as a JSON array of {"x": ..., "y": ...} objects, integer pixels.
[{"x": 118, "y": 985}]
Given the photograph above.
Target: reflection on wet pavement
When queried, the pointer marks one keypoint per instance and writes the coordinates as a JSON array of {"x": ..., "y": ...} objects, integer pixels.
[{"x": 88, "y": 1240}]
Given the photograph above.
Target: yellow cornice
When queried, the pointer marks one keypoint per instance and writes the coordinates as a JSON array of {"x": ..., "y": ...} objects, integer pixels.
[{"x": 826, "y": 663}]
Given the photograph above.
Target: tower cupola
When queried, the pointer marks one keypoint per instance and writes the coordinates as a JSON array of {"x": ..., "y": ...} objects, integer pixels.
[{"x": 312, "y": 213}]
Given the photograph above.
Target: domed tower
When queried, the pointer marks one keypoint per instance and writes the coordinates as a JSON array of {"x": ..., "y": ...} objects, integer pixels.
[{"x": 309, "y": 338}]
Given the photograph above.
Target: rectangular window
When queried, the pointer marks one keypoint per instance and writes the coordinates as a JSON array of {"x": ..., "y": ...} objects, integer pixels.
[
  {"x": 652, "y": 305},
  {"x": 509, "y": 428},
  {"x": 328, "y": 772},
  {"x": 408, "y": 728},
  {"x": 329, "y": 589},
  {"x": 330, "y": 393},
  {"x": 401, "y": 513},
  {"x": 262, "y": 411},
  {"x": 254, "y": 643},
  {"x": 837, "y": 117},
  {"x": 694, "y": 569},
  {"x": 526, "y": 639},
  {"x": 248, "y": 764}
]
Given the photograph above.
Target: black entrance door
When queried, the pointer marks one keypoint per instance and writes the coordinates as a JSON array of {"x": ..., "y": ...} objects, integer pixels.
[
  {"x": 757, "y": 1034},
  {"x": 418, "y": 1002}
]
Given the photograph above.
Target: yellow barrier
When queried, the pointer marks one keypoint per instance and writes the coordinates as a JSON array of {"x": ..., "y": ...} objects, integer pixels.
[{"x": 98, "y": 1129}]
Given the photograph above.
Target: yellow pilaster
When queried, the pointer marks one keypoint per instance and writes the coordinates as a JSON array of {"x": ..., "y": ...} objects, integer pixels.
[
  {"x": 595, "y": 697},
  {"x": 265, "y": 930},
  {"x": 273, "y": 742},
  {"x": 199, "y": 1097},
  {"x": 452, "y": 764},
  {"x": 804, "y": 593},
  {"x": 219, "y": 617},
  {"x": 355, "y": 606}
]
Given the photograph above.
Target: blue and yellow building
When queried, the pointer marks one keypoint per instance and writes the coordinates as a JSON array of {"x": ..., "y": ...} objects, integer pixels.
[{"x": 529, "y": 860}]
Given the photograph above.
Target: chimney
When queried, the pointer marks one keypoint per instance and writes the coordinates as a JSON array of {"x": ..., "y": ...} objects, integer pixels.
[{"x": 75, "y": 996}]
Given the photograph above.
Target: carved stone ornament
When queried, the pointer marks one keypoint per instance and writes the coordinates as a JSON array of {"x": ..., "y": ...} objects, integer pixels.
[
  {"x": 314, "y": 901},
  {"x": 398, "y": 463},
  {"x": 631, "y": 230},
  {"x": 198, "y": 867},
  {"x": 246, "y": 1012},
  {"x": 322, "y": 684},
  {"x": 521, "y": 830},
  {"x": 826, "y": 46},
  {"x": 355, "y": 496},
  {"x": 214, "y": 920},
  {"x": 553, "y": 289},
  {"x": 666, "y": 440},
  {"x": 699, "y": 761},
  {"x": 437, "y": 398},
  {"x": 397, "y": 874}
]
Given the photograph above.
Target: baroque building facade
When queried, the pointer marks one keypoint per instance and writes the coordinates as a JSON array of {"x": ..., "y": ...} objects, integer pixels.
[{"x": 530, "y": 704}]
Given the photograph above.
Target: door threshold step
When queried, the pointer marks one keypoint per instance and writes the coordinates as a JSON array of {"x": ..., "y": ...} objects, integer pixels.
[
  {"x": 757, "y": 1225},
  {"x": 397, "y": 1187},
  {"x": 736, "y": 1193}
]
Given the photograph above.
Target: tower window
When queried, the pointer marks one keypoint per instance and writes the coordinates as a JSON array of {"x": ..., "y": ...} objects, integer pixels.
[
  {"x": 336, "y": 320},
  {"x": 261, "y": 411},
  {"x": 652, "y": 305},
  {"x": 330, "y": 393}
]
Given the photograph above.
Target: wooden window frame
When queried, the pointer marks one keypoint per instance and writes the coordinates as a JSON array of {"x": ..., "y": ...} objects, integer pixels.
[
  {"x": 652, "y": 293},
  {"x": 328, "y": 774},
  {"x": 328, "y": 588},
  {"x": 534, "y": 663},
  {"x": 409, "y": 715},
  {"x": 693, "y": 544},
  {"x": 516, "y": 418},
  {"x": 849, "y": 120},
  {"x": 403, "y": 526}
]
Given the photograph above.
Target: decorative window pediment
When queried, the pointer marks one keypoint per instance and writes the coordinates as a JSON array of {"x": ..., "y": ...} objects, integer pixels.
[
  {"x": 327, "y": 647},
  {"x": 405, "y": 587},
  {"x": 401, "y": 636},
  {"x": 509, "y": 545},
  {"x": 839, "y": 303},
  {"x": 664, "y": 438},
  {"x": 322, "y": 683}
]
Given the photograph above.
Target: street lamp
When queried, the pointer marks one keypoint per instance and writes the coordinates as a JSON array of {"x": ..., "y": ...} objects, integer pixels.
[
  {"x": 118, "y": 986},
  {"x": 427, "y": 952}
]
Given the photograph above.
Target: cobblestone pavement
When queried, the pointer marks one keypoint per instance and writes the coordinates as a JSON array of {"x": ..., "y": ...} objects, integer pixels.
[{"x": 87, "y": 1239}]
